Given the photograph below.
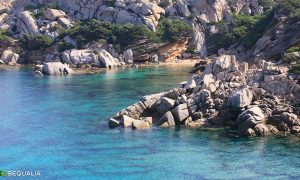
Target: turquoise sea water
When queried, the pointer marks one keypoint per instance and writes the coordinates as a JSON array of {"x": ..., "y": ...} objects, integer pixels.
[{"x": 58, "y": 126}]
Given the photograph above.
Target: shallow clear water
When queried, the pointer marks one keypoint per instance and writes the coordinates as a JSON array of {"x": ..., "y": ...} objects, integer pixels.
[{"x": 58, "y": 125}]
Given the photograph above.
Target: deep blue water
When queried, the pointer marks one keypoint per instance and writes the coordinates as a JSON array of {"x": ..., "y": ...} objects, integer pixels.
[{"x": 58, "y": 126}]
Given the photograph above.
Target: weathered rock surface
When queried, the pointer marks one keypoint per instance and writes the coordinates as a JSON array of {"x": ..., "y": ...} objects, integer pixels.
[
  {"x": 240, "y": 99},
  {"x": 9, "y": 57},
  {"x": 27, "y": 24},
  {"x": 53, "y": 14},
  {"x": 229, "y": 93},
  {"x": 56, "y": 68}
]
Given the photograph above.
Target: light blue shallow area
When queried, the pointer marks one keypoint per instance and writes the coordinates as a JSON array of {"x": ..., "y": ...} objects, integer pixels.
[{"x": 58, "y": 125}]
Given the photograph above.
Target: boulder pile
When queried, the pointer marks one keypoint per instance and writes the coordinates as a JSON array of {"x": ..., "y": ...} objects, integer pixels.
[{"x": 258, "y": 99}]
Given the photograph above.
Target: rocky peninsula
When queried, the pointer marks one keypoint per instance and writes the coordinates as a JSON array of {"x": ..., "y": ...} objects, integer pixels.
[{"x": 257, "y": 99}]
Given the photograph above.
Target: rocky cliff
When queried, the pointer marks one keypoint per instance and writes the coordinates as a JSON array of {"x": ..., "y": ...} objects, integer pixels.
[{"x": 30, "y": 17}]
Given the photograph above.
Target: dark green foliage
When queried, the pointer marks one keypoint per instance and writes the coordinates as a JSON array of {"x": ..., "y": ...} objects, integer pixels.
[
  {"x": 4, "y": 38},
  {"x": 110, "y": 3},
  {"x": 2, "y": 11},
  {"x": 62, "y": 46},
  {"x": 173, "y": 30},
  {"x": 289, "y": 57},
  {"x": 293, "y": 49},
  {"x": 122, "y": 36},
  {"x": 127, "y": 34},
  {"x": 266, "y": 3},
  {"x": 89, "y": 31},
  {"x": 41, "y": 6},
  {"x": 295, "y": 69},
  {"x": 245, "y": 29},
  {"x": 292, "y": 7},
  {"x": 41, "y": 9},
  {"x": 37, "y": 42}
]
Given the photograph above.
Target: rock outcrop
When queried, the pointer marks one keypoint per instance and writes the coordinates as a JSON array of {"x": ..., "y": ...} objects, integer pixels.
[
  {"x": 54, "y": 68},
  {"x": 9, "y": 57},
  {"x": 228, "y": 93},
  {"x": 27, "y": 24}
]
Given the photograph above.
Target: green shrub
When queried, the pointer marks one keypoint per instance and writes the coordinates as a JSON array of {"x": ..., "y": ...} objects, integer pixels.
[
  {"x": 295, "y": 69},
  {"x": 4, "y": 36},
  {"x": 41, "y": 9},
  {"x": 290, "y": 5},
  {"x": 244, "y": 29},
  {"x": 295, "y": 16},
  {"x": 122, "y": 36},
  {"x": 293, "y": 49},
  {"x": 266, "y": 3},
  {"x": 62, "y": 46},
  {"x": 173, "y": 30},
  {"x": 163, "y": 4},
  {"x": 41, "y": 6},
  {"x": 289, "y": 57},
  {"x": 2, "y": 11},
  {"x": 110, "y": 3},
  {"x": 37, "y": 42},
  {"x": 128, "y": 34}
]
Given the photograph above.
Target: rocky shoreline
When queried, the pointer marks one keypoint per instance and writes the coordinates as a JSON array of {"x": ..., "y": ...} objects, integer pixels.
[
  {"x": 58, "y": 68},
  {"x": 258, "y": 99}
]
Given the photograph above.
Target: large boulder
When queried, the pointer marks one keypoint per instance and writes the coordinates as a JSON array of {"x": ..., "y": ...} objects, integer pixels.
[
  {"x": 261, "y": 129},
  {"x": 128, "y": 56},
  {"x": 66, "y": 22},
  {"x": 166, "y": 120},
  {"x": 3, "y": 18},
  {"x": 9, "y": 57},
  {"x": 27, "y": 24},
  {"x": 165, "y": 104},
  {"x": 289, "y": 119},
  {"x": 250, "y": 118},
  {"x": 180, "y": 113},
  {"x": 56, "y": 68},
  {"x": 262, "y": 43},
  {"x": 240, "y": 99},
  {"x": 182, "y": 8},
  {"x": 140, "y": 124},
  {"x": 53, "y": 14},
  {"x": 107, "y": 60},
  {"x": 83, "y": 56},
  {"x": 126, "y": 121}
]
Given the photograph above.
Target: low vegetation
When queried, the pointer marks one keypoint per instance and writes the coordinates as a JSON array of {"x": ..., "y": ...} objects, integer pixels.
[
  {"x": 40, "y": 9},
  {"x": 37, "y": 42},
  {"x": 244, "y": 29},
  {"x": 123, "y": 35},
  {"x": 292, "y": 7},
  {"x": 62, "y": 46},
  {"x": 4, "y": 37},
  {"x": 289, "y": 57},
  {"x": 295, "y": 69},
  {"x": 110, "y": 3}
]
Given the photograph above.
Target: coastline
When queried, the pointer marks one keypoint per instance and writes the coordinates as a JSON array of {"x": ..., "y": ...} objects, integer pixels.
[
  {"x": 87, "y": 69},
  {"x": 256, "y": 100},
  {"x": 95, "y": 70}
]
